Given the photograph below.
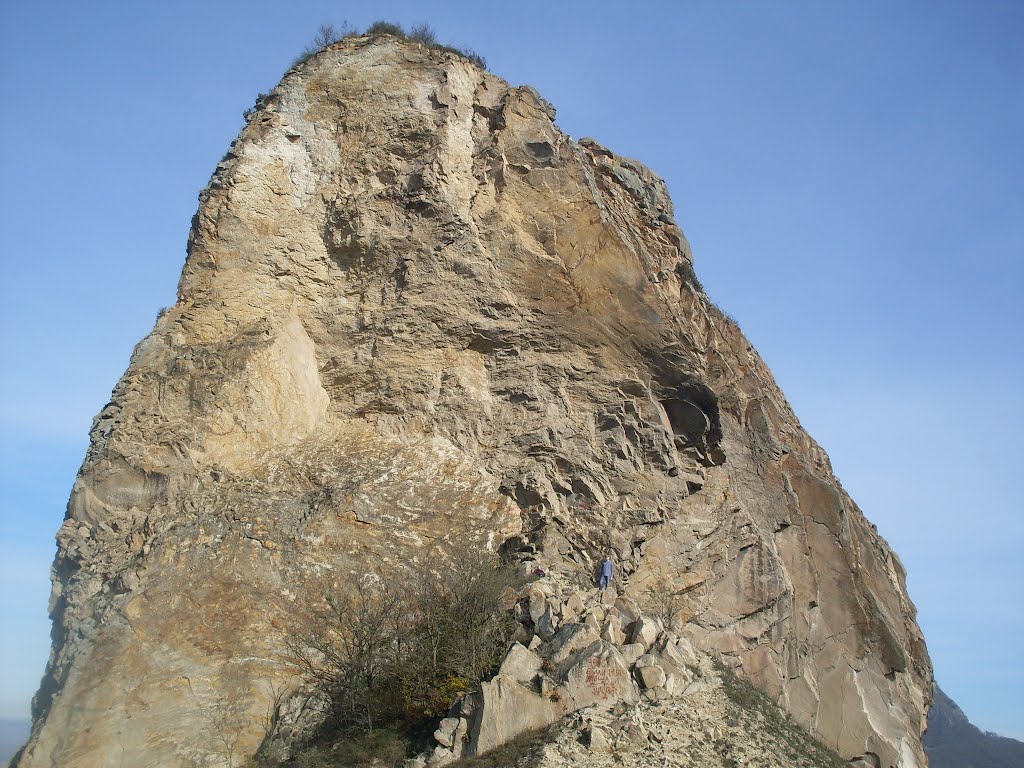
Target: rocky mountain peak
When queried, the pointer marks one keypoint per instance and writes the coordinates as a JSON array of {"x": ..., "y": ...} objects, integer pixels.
[{"x": 415, "y": 313}]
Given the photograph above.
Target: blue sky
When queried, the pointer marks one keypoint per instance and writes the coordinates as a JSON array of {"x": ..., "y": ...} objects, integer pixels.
[{"x": 850, "y": 174}]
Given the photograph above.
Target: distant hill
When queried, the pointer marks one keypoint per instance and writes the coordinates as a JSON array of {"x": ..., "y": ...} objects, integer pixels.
[
  {"x": 13, "y": 733},
  {"x": 952, "y": 742}
]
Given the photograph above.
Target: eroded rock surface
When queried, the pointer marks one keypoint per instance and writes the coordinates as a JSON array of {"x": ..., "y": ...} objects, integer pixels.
[{"x": 414, "y": 312}]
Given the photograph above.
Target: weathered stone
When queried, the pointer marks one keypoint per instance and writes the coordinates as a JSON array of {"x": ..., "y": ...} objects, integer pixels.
[
  {"x": 459, "y": 738},
  {"x": 507, "y": 709},
  {"x": 595, "y": 740},
  {"x": 652, "y": 676},
  {"x": 440, "y": 756},
  {"x": 574, "y": 605},
  {"x": 695, "y": 687},
  {"x": 538, "y": 604},
  {"x": 627, "y": 609},
  {"x": 597, "y": 675},
  {"x": 521, "y": 665},
  {"x": 612, "y": 631},
  {"x": 631, "y": 652},
  {"x": 680, "y": 651},
  {"x": 645, "y": 631},
  {"x": 445, "y": 731},
  {"x": 547, "y": 623},
  {"x": 569, "y": 639}
]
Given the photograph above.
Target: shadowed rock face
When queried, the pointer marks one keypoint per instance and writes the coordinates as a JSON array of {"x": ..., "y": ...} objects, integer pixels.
[{"x": 414, "y": 312}]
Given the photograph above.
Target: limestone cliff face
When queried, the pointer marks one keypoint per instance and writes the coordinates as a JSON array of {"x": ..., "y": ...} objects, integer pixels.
[{"x": 413, "y": 312}]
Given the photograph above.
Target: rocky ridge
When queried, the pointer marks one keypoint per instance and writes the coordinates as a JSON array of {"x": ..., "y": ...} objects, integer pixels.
[{"x": 414, "y": 312}]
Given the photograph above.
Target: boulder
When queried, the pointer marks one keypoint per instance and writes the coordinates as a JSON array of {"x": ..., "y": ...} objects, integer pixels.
[
  {"x": 652, "y": 676},
  {"x": 573, "y": 606},
  {"x": 538, "y": 603},
  {"x": 445, "y": 731},
  {"x": 645, "y": 631},
  {"x": 631, "y": 652},
  {"x": 608, "y": 597},
  {"x": 568, "y": 640},
  {"x": 547, "y": 623},
  {"x": 459, "y": 738},
  {"x": 440, "y": 756},
  {"x": 612, "y": 631},
  {"x": 594, "y": 739},
  {"x": 627, "y": 609},
  {"x": 521, "y": 664},
  {"x": 680, "y": 651},
  {"x": 507, "y": 709},
  {"x": 597, "y": 675},
  {"x": 696, "y": 686}
]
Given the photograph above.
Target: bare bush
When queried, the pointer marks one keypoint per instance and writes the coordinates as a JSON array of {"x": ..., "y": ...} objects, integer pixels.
[
  {"x": 392, "y": 652},
  {"x": 665, "y": 601},
  {"x": 325, "y": 36},
  {"x": 350, "y": 653},
  {"x": 424, "y": 34},
  {"x": 460, "y": 629}
]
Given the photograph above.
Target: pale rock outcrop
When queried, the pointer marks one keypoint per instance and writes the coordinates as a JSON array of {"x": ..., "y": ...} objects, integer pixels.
[
  {"x": 415, "y": 312},
  {"x": 505, "y": 710},
  {"x": 645, "y": 632},
  {"x": 521, "y": 665},
  {"x": 597, "y": 675}
]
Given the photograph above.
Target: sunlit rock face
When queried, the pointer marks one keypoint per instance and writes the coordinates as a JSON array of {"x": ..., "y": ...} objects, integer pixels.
[{"x": 415, "y": 312}]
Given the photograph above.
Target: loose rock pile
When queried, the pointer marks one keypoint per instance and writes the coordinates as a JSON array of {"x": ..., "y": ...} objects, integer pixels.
[
  {"x": 701, "y": 727},
  {"x": 602, "y": 682},
  {"x": 577, "y": 649}
]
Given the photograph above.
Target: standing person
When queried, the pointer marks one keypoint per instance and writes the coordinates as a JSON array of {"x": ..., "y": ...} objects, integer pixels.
[{"x": 607, "y": 570}]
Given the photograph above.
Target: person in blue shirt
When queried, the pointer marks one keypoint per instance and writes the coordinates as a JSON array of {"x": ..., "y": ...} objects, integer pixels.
[{"x": 606, "y": 572}]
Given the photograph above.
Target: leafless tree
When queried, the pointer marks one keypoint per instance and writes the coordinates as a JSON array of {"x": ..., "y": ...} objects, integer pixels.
[
  {"x": 665, "y": 601},
  {"x": 350, "y": 650},
  {"x": 399, "y": 648}
]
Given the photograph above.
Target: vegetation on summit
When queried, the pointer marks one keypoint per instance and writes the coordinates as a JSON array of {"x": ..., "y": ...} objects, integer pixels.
[{"x": 420, "y": 33}]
